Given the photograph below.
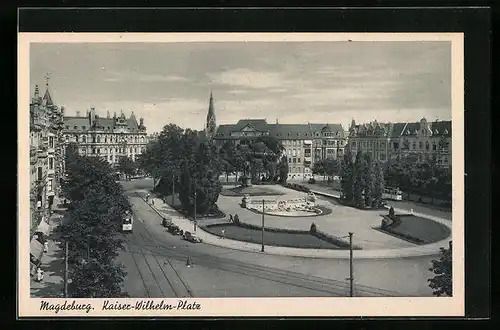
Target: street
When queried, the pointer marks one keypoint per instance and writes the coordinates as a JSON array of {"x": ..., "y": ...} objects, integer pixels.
[{"x": 156, "y": 264}]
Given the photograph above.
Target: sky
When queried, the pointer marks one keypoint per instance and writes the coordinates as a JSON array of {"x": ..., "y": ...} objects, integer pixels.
[{"x": 292, "y": 82}]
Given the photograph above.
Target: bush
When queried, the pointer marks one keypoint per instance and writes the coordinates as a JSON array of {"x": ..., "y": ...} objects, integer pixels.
[
  {"x": 312, "y": 230},
  {"x": 391, "y": 213},
  {"x": 312, "y": 180}
]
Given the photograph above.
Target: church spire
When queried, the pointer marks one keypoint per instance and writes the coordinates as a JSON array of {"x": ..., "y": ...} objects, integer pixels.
[
  {"x": 47, "y": 99},
  {"x": 211, "y": 122}
]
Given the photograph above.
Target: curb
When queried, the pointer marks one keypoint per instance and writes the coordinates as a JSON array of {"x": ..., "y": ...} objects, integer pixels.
[{"x": 429, "y": 250}]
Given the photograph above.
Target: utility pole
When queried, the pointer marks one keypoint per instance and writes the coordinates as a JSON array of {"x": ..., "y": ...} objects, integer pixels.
[
  {"x": 66, "y": 271},
  {"x": 262, "y": 249},
  {"x": 195, "y": 201},
  {"x": 351, "y": 277},
  {"x": 173, "y": 189}
]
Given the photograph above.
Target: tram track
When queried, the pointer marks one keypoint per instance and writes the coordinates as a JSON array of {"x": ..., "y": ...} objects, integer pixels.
[{"x": 322, "y": 285}]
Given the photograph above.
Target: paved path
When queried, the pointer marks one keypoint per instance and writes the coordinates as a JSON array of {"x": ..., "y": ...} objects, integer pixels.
[
  {"x": 227, "y": 272},
  {"x": 166, "y": 210},
  {"x": 52, "y": 262},
  {"x": 401, "y": 205}
]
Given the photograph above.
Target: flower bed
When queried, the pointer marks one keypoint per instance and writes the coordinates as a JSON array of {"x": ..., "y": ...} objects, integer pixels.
[
  {"x": 414, "y": 229},
  {"x": 295, "y": 239},
  {"x": 339, "y": 243}
]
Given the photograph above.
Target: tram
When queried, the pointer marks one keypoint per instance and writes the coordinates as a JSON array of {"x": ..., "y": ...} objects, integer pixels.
[
  {"x": 393, "y": 194},
  {"x": 128, "y": 222}
]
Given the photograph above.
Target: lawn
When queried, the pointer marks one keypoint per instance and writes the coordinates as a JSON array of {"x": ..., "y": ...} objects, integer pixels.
[
  {"x": 251, "y": 191},
  {"x": 418, "y": 229},
  {"x": 295, "y": 240}
]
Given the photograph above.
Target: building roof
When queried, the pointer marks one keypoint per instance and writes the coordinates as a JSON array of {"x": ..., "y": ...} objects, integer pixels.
[
  {"x": 81, "y": 124},
  {"x": 395, "y": 130},
  {"x": 280, "y": 131}
]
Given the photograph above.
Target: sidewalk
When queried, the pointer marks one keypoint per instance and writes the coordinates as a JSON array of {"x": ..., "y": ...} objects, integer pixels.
[
  {"x": 186, "y": 225},
  {"x": 52, "y": 262}
]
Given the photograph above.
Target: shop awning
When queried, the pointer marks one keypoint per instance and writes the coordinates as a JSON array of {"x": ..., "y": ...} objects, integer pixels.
[
  {"x": 36, "y": 251},
  {"x": 43, "y": 227}
]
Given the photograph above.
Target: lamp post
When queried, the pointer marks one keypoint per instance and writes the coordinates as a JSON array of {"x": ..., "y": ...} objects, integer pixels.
[
  {"x": 351, "y": 277},
  {"x": 194, "y": 204},
  {"x": 262, "y": 248}
]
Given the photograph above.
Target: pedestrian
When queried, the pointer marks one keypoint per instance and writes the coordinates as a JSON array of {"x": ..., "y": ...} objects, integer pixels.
[
  {"x": 411, "y": 211},
  {"x": 152, "y": 202},
  {"x": 39, "y": 274},
  {"x": 230, "y": 217},
  {"x": 46, "y": 247},
  {"x": 223, "y": 232}
]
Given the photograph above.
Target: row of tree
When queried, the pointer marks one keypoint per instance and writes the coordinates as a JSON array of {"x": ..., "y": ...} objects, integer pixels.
[
  {"x": 422, "y": 178},
  {"x": 362, "y": 180},
  {"x": 327, "y": 167},
  {"x": 259, "y": 160},
  {"x": 185, "y": 160},
  {"x": 94, "y": 217}
]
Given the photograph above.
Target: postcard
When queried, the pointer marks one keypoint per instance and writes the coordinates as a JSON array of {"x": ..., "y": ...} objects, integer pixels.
[{"x": 240, "y": 174}]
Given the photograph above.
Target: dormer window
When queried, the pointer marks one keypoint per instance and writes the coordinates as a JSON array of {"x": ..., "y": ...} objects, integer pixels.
[
  {"x": 436, "y": 131},
  {"x": 445, "y": 131}
]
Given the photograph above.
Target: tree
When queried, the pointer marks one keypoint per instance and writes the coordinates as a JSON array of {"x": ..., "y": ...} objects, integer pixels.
[
  {"x": 200, "y": 176},
  {"x": 359, "y": 179},
  {"x": 347, "y": 177},
  {"x": 127, "y": 166},
  {"x": 379, "y": 185},
  {"x": 442, "y": 282},
  {"x": 368, "y": 179},
  {"x": 92, "y": 279},
  {"x": 319, "y": 168},
  {"x": 95, "y": 215},
  {"x": 283, "y": 169}
]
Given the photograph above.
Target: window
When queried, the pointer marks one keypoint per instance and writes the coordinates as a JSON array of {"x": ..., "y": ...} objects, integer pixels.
[
  {"x": 414, "y": 145},
  {"x": 98, "y": 150},
  {"x": 420, "y": 145},
  {"x": 40, "y": 173},
  {"x": 294, "y": 160},
  {"x": 395, "y": 145},
  {"x": 289, "y": 160},
  {"x": 84, "y": 139},
  {"x": 49, "y": 185},
  {"x": 98, "y": 139},
  {"x": 298, "y": 160},
  {"x": 67, "y": 126},
  {"x": 353, "y": 144},
  {"x": 93, "y": 150},
  {"x": 75, "y": 127},
  {"x": 434, "y": 147},
  {"x": 83, "y": 127},
  {"x": 51, "y": 163},
  {"x": 427, "y": 146},
  {"x": 51, "y": 142}
]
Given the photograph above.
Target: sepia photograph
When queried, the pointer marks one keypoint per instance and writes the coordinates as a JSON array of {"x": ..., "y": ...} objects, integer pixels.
[{"x": 168, "y": 170}]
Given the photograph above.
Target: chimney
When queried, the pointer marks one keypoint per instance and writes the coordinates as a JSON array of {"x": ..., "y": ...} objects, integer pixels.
[
  {"x": 276, "y": 121},
  {"x": 108, "y": 115},
  {"x": 78, "y": 113}
]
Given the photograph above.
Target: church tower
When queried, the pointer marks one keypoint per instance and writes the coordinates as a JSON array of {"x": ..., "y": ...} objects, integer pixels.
[{"x": 211, "y": 124}]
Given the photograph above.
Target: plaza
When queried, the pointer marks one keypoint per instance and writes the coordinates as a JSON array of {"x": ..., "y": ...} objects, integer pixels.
[{"x": 339, "y": 222}]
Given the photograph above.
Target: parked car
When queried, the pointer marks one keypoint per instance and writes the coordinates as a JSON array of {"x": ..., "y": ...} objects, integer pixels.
[
  {"x": 191, "y": 238},
  {"x": 173, "y": 229},
  {"x": 166, "y": 222}
]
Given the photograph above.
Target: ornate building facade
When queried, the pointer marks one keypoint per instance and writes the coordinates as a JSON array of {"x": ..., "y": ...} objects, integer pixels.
[
  {"x": 46, "y": 160},
  {"x": 109, "y": 138},
  {"x": 416, "y": 141},
  {"x": 304, "y": 144}
]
